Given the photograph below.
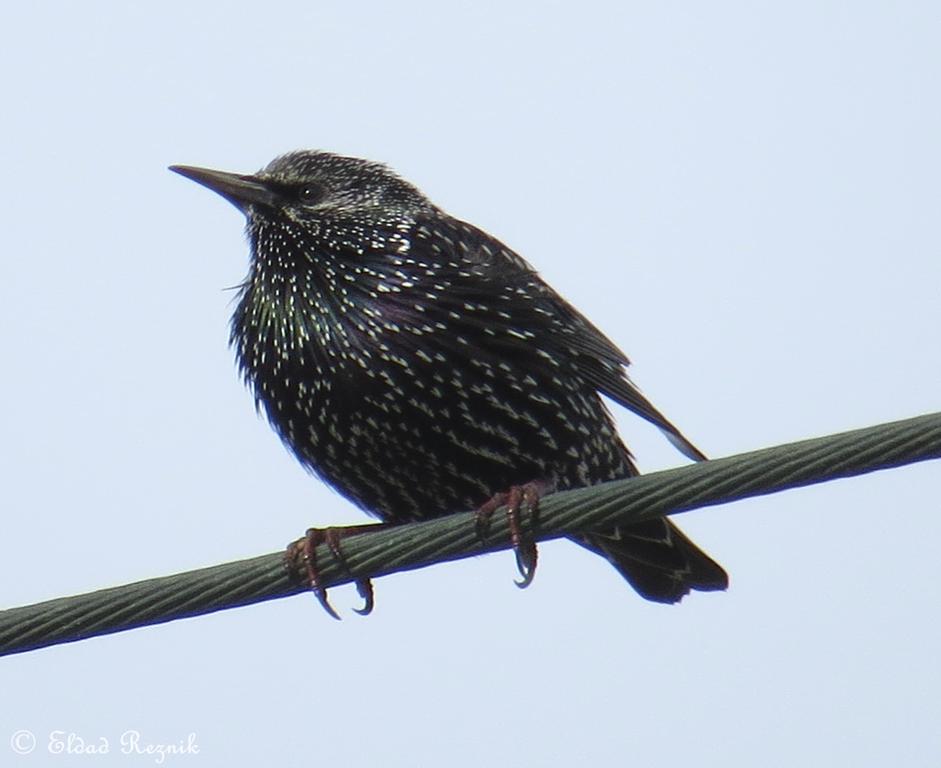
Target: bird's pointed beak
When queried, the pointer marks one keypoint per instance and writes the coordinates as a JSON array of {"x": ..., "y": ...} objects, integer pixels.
[{"x": 241, "y": 191}]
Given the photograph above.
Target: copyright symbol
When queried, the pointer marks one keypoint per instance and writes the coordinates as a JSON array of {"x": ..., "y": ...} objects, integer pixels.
[{"x": 23, "y": 742}]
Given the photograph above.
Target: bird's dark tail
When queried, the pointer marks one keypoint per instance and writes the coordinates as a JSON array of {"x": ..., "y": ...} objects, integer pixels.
[{"x": 657, "y": 559}]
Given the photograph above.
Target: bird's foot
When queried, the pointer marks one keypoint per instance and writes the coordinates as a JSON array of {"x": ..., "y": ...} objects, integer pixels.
[
  {"x": 517, "y": 497},
  {"x": 301, "y": 556}
]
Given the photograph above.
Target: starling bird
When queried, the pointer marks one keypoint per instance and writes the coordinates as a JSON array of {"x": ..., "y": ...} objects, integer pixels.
[{"x": 421, "y": 367}]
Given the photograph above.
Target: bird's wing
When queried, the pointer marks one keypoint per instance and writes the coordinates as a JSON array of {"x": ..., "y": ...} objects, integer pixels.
[
  {"x": 603, "y": 365},
  {"x": 594, "y": 355}
]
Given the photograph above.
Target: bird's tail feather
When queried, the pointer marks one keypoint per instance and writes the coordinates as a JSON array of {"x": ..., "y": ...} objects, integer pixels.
[{"x": 657, "y": 559}]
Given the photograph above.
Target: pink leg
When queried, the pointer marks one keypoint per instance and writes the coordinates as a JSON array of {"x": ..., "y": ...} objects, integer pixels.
[
  {"x": 514, "y": 499},
  {"x": 305, "y": 550}
]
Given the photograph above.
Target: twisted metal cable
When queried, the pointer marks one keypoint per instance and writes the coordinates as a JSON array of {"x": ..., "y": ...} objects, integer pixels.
[{"x": 417, "y": 545}]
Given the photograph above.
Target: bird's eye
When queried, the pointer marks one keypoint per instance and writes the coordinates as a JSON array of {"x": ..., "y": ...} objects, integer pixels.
[{"x": 309, "y": 194}]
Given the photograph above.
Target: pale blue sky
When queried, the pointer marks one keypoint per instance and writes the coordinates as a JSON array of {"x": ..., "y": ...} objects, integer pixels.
[{"x": 744, "y": 196}]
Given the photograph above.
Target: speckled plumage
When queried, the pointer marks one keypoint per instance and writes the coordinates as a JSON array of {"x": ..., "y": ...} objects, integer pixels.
[{"x": 419, "y": 366}]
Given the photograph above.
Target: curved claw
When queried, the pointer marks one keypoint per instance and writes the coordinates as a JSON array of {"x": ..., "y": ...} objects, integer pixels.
[
  {"x": 364, "y": 587},
  {"x": 325, "y": 603},
  {"x": 526, "y": 563},
  {"x": 526, "y": 580},
  {"x": 307, "y": 549}
]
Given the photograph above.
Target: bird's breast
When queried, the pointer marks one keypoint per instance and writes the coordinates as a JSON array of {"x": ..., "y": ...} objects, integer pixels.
[{"x": 414, "y": 399}]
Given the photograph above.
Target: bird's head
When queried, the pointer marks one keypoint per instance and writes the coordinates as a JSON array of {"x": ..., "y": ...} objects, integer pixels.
[
  {"x": 330, "y": 238},
  {"x": 314, "y": 186}
]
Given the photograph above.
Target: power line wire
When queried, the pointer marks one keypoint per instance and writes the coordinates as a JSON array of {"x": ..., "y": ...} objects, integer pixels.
[{"x": 417, "y": 545}]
